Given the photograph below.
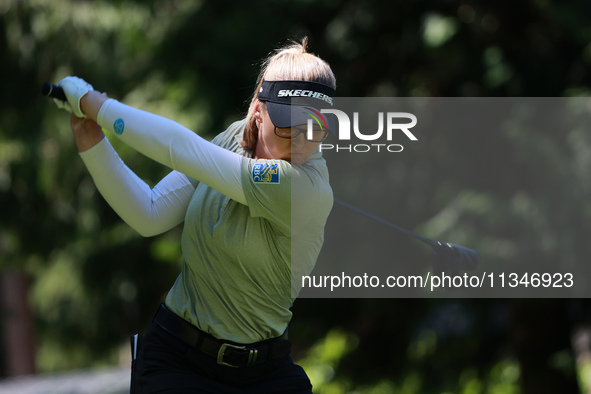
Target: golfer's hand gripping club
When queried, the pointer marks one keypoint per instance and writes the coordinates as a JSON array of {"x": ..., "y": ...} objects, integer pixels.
[{"x": 67, "y": 94}]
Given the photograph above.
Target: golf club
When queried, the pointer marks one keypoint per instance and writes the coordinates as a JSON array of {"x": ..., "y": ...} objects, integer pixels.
[{"x": 448, "y": 256}]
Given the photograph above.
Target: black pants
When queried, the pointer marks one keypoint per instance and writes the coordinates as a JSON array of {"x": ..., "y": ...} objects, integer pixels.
[{"x": 165, "y": 364}]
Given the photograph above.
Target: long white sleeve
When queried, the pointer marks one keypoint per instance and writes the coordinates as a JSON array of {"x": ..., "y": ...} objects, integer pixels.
[
  {"x": 148, "y": 211},
  {"x": 175, "y": 146}
]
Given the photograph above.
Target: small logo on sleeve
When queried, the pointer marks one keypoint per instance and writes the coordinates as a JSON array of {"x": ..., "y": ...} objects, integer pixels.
[
  {"x": 265, "y": 173},
  {"x": 119, "y": 126}
]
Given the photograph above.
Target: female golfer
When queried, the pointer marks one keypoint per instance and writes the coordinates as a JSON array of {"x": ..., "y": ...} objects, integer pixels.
[{"x": 223, "y": 326}]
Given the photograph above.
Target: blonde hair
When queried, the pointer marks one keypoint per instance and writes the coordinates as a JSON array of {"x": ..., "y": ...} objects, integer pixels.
[{"x": 289, "y": 63}]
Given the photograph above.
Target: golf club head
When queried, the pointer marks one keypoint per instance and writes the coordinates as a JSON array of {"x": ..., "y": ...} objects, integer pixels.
[{"x": 454, "y": 258}]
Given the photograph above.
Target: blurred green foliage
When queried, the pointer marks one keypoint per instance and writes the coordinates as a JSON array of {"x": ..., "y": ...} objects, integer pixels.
[{"x": 95, "y": 281}]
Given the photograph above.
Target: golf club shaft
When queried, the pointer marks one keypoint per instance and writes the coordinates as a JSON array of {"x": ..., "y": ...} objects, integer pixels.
[
  {"x": 428, "y": 241},
  {"x": 447, "y": 256}
]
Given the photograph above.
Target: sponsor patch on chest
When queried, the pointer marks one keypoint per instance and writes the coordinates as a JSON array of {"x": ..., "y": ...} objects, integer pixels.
[{"x": 265, "y": 173}]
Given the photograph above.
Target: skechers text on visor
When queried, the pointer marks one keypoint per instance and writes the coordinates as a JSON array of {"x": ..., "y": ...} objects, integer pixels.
[{"x": 289, "y": 102}]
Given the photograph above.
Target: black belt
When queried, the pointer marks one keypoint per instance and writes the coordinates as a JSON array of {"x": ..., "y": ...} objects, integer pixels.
[{"x": 229, "y": 354}]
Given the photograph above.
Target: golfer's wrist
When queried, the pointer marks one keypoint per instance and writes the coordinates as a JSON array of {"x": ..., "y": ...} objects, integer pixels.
[
  {"x": 87, "y": 133},
  {"x": 91, "y": 103},
  {"x": 85, "y": 142}
]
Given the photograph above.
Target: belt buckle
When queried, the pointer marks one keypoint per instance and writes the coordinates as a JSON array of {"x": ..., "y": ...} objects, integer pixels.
[{"x": 252, "y": 355}]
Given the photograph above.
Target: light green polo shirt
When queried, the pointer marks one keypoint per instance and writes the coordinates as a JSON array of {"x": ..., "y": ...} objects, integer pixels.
[{"x": 235, "y": 283}]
